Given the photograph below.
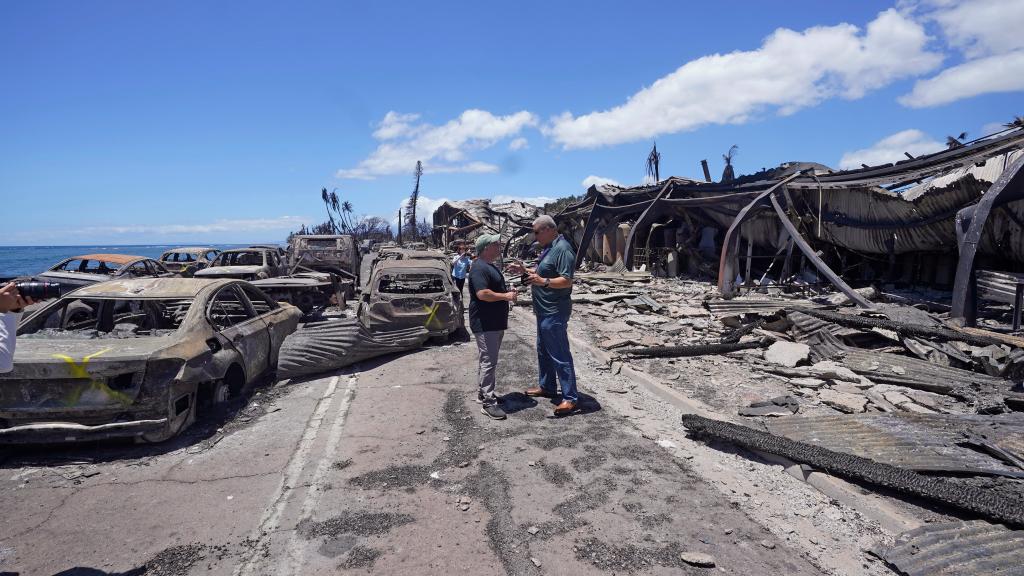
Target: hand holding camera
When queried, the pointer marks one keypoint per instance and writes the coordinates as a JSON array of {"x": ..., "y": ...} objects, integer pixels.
[{"x": 16, "y": 295}]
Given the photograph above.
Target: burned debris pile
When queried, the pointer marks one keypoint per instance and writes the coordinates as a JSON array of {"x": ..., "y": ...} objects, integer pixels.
[{"x": 460, "y": 222}]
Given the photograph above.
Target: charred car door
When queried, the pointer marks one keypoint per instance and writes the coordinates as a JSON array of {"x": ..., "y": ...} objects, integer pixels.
[
  {"x": 239, "y": 327},
  {"x": 275, "y": 316}
]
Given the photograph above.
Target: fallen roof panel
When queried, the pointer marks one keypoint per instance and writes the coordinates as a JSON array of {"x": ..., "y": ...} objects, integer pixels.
[
  {"x": 922, "y": 442},
  {"x": 957, "y": 549}
]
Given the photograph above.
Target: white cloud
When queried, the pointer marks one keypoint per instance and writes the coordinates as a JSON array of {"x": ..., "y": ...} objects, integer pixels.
[
  {"x": 988, "y": 33},
  {"x": 891, "y": 149},
  {"x": 518, "y": 144},
  {"x": 999, "y": 73},
  {"x": 597, "y": 181},
  {"x": 991, "y": 128},
  {"x": 791, "y": 70},
  {"x": 281, "y": 223},
  {"x": 535, "y": 200},
  {"x": 982, "y": 27},
  {"x": 443, "y": 148},
  {"x": 425, "y": 207}
]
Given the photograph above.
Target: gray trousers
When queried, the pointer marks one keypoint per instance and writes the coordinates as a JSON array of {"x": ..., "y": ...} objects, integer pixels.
[{"x": 488, "y": 344}]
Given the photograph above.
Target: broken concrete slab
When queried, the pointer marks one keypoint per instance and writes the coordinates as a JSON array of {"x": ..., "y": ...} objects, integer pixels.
[
  {"x": 788, "y": 354},
  {"x": 842, "y": 401},
  {"x": 813, "y": 383}
]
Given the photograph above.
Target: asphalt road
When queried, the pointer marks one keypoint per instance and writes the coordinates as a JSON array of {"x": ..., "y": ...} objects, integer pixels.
[{"x": 388, "y": 468}]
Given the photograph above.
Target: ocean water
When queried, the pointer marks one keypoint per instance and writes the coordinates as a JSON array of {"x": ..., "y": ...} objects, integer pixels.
[{"x": 28, "y": 260}]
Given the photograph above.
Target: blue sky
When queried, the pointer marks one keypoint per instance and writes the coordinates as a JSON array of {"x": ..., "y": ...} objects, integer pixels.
[{"x": 142, "y": 122}]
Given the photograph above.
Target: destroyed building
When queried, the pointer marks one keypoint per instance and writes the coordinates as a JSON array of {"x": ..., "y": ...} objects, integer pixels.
[
  {"x": 951, "y": 219},
  {"x": 458, "y": 222}
]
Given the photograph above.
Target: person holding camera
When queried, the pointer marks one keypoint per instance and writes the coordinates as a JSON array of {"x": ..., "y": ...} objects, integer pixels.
[
  {"x": 11, "y": 304},
  {"x": 551, "y": 283},
  {"x": 489, "y": 298}
]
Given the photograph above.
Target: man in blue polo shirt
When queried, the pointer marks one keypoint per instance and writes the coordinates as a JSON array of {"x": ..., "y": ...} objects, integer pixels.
[{"x": 551, "y": 283}]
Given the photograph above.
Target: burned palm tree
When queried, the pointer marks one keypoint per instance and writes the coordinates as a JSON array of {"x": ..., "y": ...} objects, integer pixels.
[
  {"x": 347, "y": 212},
  {"x": 953, "y": 142},
  {"x": 327, "y": 199},
  {"x": 728, "y": 174},
  {"x": 654, "y": 163},
  {"x": 413, "y": 199}
]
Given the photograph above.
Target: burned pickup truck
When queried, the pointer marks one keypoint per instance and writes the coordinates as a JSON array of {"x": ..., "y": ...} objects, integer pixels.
[
  {"x": 265, "y": 268},
  {"x": 411, "y": 293},
  {"x": 137, "y": 365}
]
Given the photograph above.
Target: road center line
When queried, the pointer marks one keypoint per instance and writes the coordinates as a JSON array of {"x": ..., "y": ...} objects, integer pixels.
[
  {"x": 297, "y": 463},
  {"x": 293, "y": 559}
]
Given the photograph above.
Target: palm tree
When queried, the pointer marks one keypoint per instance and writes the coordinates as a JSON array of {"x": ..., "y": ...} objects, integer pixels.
[
  {"x": 413, "y": 199},
  {"x": 955, "y": 141},
  {"x": 728, "y": 174},
  {"x": 326, "y": 197},
  {"x": 653, "y": 164},
  {"x": 1017, "y": 122}
]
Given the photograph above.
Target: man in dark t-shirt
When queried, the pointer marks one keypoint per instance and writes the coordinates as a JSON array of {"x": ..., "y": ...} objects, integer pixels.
[{"x": 489, "y": 299}]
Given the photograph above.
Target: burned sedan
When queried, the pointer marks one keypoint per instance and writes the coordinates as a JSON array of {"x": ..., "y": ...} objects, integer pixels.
[
  {"x": 138, "y": 361},
  {"x": 245, "y": 264},
  {"x": 187, "y": 261},
  {"x": 87, "y": 269},
  {"x": 412, "y": 293}
]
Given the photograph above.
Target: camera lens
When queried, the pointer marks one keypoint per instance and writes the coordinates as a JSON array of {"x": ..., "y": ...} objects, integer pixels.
[{"x": 38, "y": 290}]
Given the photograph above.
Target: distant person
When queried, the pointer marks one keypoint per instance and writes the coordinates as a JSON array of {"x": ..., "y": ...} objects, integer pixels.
[
  {"x": 11, "y": 304},
  {"x": 460, "y": 267},
  {"x": 489, "y": 298},
  {"x": 551, "y": 282}
]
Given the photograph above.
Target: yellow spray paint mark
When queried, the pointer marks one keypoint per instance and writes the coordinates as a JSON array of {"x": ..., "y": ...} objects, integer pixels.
[
  {"x": 432, "y": 317},
  {"x": 79, "y": 370}
]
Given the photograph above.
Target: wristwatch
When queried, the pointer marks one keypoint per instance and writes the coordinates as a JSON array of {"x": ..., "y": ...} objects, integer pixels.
[{"x": 547, "y": 282}]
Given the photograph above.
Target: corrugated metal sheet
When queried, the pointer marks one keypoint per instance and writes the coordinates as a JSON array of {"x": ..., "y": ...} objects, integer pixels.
[
  {"x": 325, "y": 346},
  {"x": 901, "y": 370},
  {"x": 957, "y": 549},
  {"x": 805, "y": 326},
  {"x": 922, "y": 442},
  {"x": 736, "y": 306}
]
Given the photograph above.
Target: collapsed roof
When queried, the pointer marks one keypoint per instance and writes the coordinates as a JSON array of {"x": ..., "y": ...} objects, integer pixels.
[
  {"x": 467, "y": 219},
  {"x": 930, "y": 205}
]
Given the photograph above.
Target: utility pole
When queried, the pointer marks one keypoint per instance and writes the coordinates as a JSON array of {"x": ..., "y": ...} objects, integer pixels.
[{"x": 399, "y": 226}]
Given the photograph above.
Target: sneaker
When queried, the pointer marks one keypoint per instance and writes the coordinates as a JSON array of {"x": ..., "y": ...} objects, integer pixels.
[
  {"x": 494, "y": 411},
  {"x": 479, "y": 397}
]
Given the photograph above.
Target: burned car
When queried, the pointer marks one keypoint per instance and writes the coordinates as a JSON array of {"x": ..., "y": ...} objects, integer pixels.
[
  {"x": 138, "y": 362},
  {"x": 265, "y": 268},
  {"x": 187, "y": 261},
  {"x": 326, "y": 253},
  {"x": 245, "y": 264},
  {"x": 87, "y": 269},
  {"x": 411, "y": 293}
]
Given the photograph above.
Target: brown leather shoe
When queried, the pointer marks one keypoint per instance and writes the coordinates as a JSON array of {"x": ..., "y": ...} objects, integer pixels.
[
  {"x": 537, "y": 391},
  {"x": 565, "y": 408}
]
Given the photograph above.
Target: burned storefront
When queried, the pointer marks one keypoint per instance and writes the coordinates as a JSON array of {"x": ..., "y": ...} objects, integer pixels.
[{"x": 948, "y": 220}]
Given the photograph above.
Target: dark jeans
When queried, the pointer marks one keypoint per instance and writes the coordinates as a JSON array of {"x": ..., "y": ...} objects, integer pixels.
[
  {"x": 460, "y": 282},
  {"x": 553, "y": 356}
]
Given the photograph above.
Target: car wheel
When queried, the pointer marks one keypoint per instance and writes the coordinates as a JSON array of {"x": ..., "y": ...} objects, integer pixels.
[{"x": 221, "y": 393}]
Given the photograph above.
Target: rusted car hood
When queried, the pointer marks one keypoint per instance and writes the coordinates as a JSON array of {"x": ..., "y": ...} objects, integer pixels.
[
  {"x": 46, "y": 358},
  {"x": 229, "y": 271}
]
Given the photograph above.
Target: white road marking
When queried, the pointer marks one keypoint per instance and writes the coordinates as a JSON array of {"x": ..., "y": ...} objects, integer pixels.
[
  {"x": 297, "y": 463},
  {"x": 293, "y": 559}
]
